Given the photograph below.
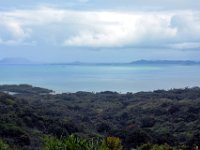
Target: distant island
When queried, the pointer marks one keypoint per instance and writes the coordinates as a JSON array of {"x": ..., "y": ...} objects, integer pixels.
[
  {"x": 138, "y": 62},
  {"x": 165, "y": 62},
  {"x": 14, "y": 61},
  {"x": 24, "y": 61}
]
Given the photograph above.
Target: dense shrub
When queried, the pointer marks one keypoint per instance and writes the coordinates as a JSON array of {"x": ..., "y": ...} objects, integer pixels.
[
  {"x": 73, "y": 142},
  {"x": 113, "y": 143},
  {"x": 4, "y": 146},
  {"x": 159, "y": 117}
]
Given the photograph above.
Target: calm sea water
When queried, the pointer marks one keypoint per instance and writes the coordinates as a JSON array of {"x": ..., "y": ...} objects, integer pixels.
[{"x": 72, "y": 78}]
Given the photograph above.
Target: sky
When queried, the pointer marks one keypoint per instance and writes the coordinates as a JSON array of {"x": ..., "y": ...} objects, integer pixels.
[{"x": 100, "y": 30}]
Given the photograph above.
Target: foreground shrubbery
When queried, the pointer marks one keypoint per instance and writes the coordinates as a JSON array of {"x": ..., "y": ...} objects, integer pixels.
[
  {"x": 110, "y": 143},
  {"x": 4, "y": 146},
  {"x": 158, "y": 147},
  {"x": 166, "y": 147},
  {"x": 76, "y": 143},
  {"x": 159, "y": 117}
]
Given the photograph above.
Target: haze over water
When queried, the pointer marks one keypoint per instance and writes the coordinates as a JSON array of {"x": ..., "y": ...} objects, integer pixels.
[{"x": 120, "y": 78}]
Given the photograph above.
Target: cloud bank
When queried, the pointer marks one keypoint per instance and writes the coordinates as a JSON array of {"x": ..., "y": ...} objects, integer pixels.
[{"x": 100, "y": 29}]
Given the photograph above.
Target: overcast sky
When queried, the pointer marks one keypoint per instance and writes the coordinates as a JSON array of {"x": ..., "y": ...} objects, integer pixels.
[{"x": 100, "y": 30}]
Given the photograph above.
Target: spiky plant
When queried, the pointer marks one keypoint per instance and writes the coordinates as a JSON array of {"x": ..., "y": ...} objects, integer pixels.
[{"x": 74, "y": 142}]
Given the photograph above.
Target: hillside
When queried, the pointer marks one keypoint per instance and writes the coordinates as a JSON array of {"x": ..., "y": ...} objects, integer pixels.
[{"x": 159, "y": 117}]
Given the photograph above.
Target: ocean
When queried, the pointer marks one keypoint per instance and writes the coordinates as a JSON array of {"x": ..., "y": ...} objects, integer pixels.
[{"x": 96, "y": 78}]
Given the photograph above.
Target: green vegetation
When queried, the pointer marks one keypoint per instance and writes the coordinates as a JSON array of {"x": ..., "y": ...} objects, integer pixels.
[
  {"x": 159, "y": 147},
  {"x": 4, "y": 146},
  {"x": 113, "y": 143},
  {"x": 164, "y": 119},
  {"x": 76, "y": 143}
]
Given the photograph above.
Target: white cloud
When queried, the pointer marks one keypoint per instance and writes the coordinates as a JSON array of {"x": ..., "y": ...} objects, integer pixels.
[
  {"x": 190, "y": 45},
  {"x": 187, "y": 25},
  {"x": 17, "y": 31},
  {"x": 121, "y": 29},
  {"x": 173, "y": 29}
]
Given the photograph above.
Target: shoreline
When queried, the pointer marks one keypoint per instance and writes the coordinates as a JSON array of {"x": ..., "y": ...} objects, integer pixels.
[{"x": 54, "y": 92}]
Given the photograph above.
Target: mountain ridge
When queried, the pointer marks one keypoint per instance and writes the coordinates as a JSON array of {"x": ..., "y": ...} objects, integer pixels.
[
  {"x": 137, "y": 62},
  {"x": 15, "y": 60},
  {"x": 21, "y": 61}
]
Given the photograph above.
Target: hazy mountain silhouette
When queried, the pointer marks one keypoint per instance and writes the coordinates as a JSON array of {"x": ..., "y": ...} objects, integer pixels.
[{"x": 16, "y": 60}]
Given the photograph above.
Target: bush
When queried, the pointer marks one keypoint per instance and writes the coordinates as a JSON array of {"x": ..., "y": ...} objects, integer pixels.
[
  {"x": 52, "y": 143},
  {"x": 103, "y": 127},
  {"x": 113, "y": 143},
  {"x": 73, "y": 142},
  {"x": 145, "y": 147},
  {"x": 158, "y": 147},
  {"x": 4, "y": 146},
  {"x": 17, "y": 134}
]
